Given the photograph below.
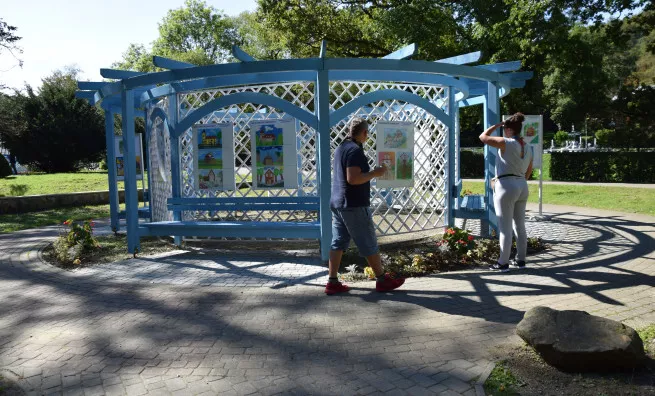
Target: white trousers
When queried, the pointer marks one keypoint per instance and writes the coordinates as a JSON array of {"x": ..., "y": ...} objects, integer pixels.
[{"x": 510, "y": 198}]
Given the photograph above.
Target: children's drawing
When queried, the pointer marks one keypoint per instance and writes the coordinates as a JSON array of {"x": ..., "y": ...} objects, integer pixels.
[
  {"x": 120, "y": 167},
  {"x": 270, "y": 176},
  {"x": 270, "y": 156},
  {"x": 269, "y": 135},
  {"x": 210, "y": 159},
  {"x": 210, "y": 138},
  {"x": 404, "y": 165},
  {"x": 210, "y": 179},
  {"x": 395, "y": 138},
  {"x": 388, "y": 160}
]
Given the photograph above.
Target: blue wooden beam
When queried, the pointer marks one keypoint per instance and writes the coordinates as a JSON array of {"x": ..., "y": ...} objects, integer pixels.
[
  {"x": 520, "y": 76},
  {"x": 405, "y": 52},
  {"x": 91, "y": 85},
  {"x": 463, "y": 59},
  {"x": 119, "y": 74},
  {"x": 172, "y": 64},
  {"x": 242, "y": 55},
  {"x": 502, "y": 67}
]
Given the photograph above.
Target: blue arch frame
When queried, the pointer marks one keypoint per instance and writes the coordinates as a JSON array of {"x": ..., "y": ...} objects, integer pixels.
[
  {"x": 389, "y": 94},
  {"x": 243, "y": 97}
]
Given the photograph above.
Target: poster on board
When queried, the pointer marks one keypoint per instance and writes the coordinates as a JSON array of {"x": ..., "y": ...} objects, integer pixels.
[
  {"x": 214, "y": 155},
  {"x": 533, "y": 134},
  {"x": 119, "y": 154},
  {"x": 395, "y": 151},
  {"x": 273, "y": 148}
]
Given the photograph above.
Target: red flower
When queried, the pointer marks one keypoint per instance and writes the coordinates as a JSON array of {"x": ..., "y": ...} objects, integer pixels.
[
  {"x": 471, "y": 237},
  {"x": 461, "y": 241},
  {"x": 67, "y": 222}
]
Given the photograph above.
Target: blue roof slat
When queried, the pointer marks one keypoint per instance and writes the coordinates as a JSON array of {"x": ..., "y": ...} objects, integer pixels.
[
  {"x": 403, "y": 53},
  {"x": 502, "y": 67},
  {"x": 171, "y": 64},
  {"x": 119, "y": 74},
  {"x": 463, "y": 59},
  {"x": 242, "y": 55}
]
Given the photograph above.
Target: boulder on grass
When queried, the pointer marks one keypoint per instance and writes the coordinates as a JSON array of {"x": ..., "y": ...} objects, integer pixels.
[{"x": 577, "y": 341}]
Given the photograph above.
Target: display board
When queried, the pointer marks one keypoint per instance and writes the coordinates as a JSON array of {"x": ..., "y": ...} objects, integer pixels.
[
  {"x": 214, "y": 155},
  {"x": 533, "y": 134},
  {"x": 273, "y": 150},
  {"x": 395, "y": 151},
  {"x": 119, "y": 150}
]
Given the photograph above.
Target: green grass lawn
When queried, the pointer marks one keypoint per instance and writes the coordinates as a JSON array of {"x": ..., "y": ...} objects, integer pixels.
[
  {"x": 23, "y": 221},
  {"x": 631, "y": 200},
  {"x": 56, "y": 183}
]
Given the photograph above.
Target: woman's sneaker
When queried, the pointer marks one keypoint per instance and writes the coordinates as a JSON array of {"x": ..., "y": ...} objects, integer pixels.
[
  {"x": 518, "y": 264},
  {"x": 499, "y": 268}
]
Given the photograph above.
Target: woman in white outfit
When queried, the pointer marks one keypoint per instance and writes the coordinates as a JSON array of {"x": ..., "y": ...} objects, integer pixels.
[{"x": 513, "y": 168}]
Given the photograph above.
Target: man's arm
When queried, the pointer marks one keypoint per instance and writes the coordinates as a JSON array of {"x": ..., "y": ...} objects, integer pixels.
[{"x": 355, "y": 176}]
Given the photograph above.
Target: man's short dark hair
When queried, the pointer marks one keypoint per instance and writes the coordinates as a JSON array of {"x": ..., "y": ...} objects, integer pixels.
[{"x": 357, "y": 126}]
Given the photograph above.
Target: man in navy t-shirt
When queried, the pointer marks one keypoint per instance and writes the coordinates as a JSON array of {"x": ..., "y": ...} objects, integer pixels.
[{"x": 351, "y": 215}]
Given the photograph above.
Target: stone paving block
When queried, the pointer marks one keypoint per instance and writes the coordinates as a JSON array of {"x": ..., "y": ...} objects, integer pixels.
[{"x": 456, "y": 385}]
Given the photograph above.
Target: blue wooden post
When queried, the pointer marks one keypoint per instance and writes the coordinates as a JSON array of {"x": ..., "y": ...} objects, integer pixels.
[
  {"x": 491, "y": 117},
  {"x": 129, "y": 164},
  {"x": 111, "y": 170},
  {"x": 322, "y": 105},
  {"x": 146, "y": 147},
  {"x": 451, "y": 191},
  {"x": 175, "y": 157}
]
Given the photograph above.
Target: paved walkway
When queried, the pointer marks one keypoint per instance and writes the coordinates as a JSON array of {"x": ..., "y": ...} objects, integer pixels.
[{"x": 240, "y": 324}]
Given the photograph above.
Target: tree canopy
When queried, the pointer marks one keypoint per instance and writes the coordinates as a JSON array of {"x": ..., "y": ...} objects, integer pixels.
[{"x": 50, "y": 129}]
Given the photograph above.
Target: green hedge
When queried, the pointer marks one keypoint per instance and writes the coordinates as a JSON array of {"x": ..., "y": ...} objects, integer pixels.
[
  {"x": 471, "y": 164},
  {"x": 622, "y": 167}
]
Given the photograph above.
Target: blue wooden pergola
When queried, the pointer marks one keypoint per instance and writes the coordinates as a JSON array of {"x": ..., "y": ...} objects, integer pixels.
[{"x": 157, "y": 97}]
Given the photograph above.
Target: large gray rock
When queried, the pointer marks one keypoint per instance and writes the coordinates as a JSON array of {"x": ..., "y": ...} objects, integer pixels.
[{"x": 578, "y": 341}]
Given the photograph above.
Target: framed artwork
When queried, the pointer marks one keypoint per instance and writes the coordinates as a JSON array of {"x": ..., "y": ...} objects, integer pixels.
[
  {"x": 273, "y": 147},
  {"x": 395, "y": 151}
]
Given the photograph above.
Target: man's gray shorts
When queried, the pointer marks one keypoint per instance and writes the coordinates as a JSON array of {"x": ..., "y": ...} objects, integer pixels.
[{"x": 355, "y": 223}]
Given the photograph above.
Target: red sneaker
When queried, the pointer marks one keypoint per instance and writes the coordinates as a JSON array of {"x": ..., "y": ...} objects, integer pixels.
[
  {"x": 334, "y": 288},
  {"x": 389, "y": 283}
]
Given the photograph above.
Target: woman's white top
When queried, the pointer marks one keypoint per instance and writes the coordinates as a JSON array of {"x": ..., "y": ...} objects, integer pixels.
[{"x": 509, "y": 161}]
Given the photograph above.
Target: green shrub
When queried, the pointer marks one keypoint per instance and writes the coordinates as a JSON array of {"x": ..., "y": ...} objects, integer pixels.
[
  {"x": 561, "y": 137},
  {"x": 70, "y": 245},
  {"x": 604, "y": 137},
  {"x": 5, "y": 168},
  {"x": 618, "y": 167},
  {"x": 471, "y": 164}
]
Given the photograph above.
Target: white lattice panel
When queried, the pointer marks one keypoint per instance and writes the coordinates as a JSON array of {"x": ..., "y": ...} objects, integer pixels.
[
  {"x": 419, "y": 208},
  {"x": 159, "y": 172}
]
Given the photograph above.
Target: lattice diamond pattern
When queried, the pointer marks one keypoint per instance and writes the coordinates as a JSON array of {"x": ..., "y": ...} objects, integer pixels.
[
  {"x": 403, "y": 210},
  {"x": 161, "y": 187}
]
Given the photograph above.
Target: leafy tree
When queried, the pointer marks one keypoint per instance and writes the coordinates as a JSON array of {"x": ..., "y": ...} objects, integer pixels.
[
  {"x": 604, "y": 137},
  {"x": 52, "y": 130},
  {"x": 561, "y": 137},
  {"x": 195, "y": 33},
  {"x": 8, "y": 40},
  {"x": 635, "y": 124}
]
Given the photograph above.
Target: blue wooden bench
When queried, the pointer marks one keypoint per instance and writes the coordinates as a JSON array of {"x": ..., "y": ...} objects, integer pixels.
[
  {"x": 252, "y": 229},
  {"x": 471, "y": 207}
]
